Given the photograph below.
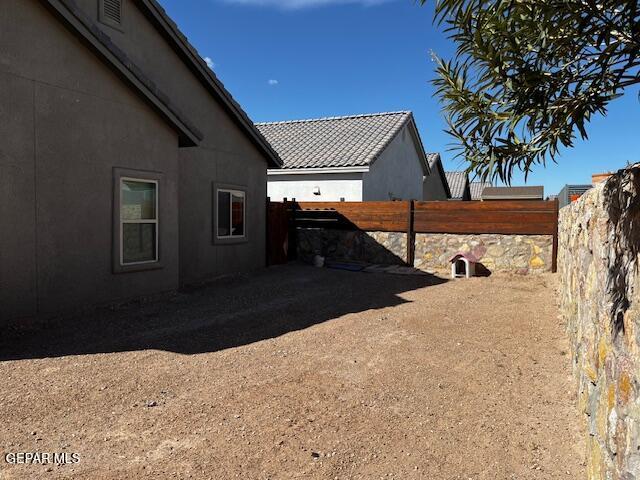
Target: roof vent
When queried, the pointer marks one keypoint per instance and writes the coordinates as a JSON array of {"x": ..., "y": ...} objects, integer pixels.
[{"x": 111, "y": 12}]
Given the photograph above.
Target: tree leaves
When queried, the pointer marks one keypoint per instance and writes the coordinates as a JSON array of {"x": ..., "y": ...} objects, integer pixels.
[{"x": 528, "y": 76}]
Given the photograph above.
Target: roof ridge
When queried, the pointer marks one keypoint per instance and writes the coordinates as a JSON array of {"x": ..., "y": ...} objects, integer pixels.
[{"x": 339, "y": 117}]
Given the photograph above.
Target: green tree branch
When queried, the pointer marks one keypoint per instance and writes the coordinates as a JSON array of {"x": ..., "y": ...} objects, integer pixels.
[{"x": 528, "y": 76}]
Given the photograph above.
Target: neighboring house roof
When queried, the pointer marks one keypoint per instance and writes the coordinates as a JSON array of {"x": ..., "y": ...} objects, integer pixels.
[
  {"x": 78, "y": 22},
  {"x": 458, "y": 182},
  {"x": 513, "y": 193},
  {"x": 476, "y": 189},
  {"x": 350, "y": 141},
  {"x": 435, "y": 165}
]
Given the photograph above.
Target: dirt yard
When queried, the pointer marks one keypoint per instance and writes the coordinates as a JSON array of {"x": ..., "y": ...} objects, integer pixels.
[{"x": 298, "y": 372}]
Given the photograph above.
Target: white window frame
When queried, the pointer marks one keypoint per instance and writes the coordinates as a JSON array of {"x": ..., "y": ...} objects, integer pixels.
[
  {"x": 232, "y": 192},
  {"x": 155, "y": 221}
]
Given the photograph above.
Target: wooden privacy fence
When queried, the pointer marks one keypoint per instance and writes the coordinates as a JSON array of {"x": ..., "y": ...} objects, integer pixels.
[
  {"x": 277, "y": 233},
  {"x": 522, "y": 217},
  {"x": 371, "y": 216}
]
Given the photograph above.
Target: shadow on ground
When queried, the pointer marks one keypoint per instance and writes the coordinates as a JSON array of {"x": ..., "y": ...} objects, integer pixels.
[{"x": 226, "y": 313}]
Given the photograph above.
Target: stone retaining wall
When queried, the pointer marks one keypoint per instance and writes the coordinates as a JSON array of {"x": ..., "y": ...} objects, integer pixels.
[
  {"x": 599, "y": 290},
  {"x": 389, "y": 248},
  {"x": 516, "y": 253}
]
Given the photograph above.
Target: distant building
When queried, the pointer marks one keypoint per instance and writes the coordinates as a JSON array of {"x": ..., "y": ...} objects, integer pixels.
[
  {"x": 459, "y": 185},
  {"x": 354, "y": 158},
  {"x": 476, "y": 189},
  {"x": 570, "y": 193},
  {"x": 513, "y": 193},
  {"x": 435, "y": 185}
]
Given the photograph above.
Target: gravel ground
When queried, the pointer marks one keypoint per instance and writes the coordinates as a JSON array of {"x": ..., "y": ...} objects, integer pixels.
[{"x": 296, "y": 372}]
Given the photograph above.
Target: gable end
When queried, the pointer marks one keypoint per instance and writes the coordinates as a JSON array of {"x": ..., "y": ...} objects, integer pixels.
[
  {"x": 100, "y": 43},
  {"x": 110, "y": 13}
]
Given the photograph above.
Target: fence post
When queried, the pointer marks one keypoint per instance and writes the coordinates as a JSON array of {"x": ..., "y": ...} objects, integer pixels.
[
  {"x": 410, "y": 234},
  {"x": 267, "y": 231},
  {"x": 292, "y": 252},
  {"x": 554, "y": 248}
]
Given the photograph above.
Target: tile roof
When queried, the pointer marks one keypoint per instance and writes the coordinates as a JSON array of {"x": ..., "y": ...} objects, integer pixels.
[
  {"x": 348, "y": 141},
  {"x": 432, "y": 159},
  {"x": 477, "y": 188},
  {"x": 457, "y": 182},
  {"x": 533, "y": 192}
]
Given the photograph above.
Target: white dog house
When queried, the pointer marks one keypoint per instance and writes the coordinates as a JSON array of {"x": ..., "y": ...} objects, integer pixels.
[{"x": 463, "y": 265}]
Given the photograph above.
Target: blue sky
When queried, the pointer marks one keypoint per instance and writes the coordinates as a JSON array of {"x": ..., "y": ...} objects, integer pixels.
[{"x": 291, "y": 59}]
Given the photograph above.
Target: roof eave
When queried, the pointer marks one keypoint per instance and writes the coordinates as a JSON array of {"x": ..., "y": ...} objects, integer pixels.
[
  {"x": 160, "y": 18},
  {"x": 317, "y": 170}
]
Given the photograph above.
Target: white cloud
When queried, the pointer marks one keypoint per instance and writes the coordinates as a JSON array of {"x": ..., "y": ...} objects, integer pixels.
[
  {"x": 299, "y": 4},
  {"x": 273, "y": 82},
  {"x": 209, "y": 62}
]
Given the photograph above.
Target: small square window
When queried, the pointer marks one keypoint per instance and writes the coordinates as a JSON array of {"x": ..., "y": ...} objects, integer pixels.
[{"x": 230, "y": 217}]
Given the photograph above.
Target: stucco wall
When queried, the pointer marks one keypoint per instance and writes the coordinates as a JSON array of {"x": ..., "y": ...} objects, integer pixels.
[
  {"x": 515, "y": 253},
  {"x": 599, "y": 290},
  {"x": 200, "y": 257},
  {"x": 332, "y": 187},
  {"x": 397, "y": 173},
  {"x": 225, "y": 155},
  {"x": 63, "y": 130},
  {"x": 434, "y": 187}
]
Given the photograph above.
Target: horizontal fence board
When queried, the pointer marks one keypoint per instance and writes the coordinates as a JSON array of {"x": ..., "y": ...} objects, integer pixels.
[
  {"x": 524, "y": 217},
  {"x": 424, "y": 220},
  {"x": 333, "y": 213},
  {"x": 368, "y": 227},
  {"x": 357, "y": 206},
  {"x": 485, "y": 217},
  {"x": 491, "y": 205},
  {"x": 372, "y": 216},
  {"x": 502, "y": 217},
  {"x": 499, "y": 228}
]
